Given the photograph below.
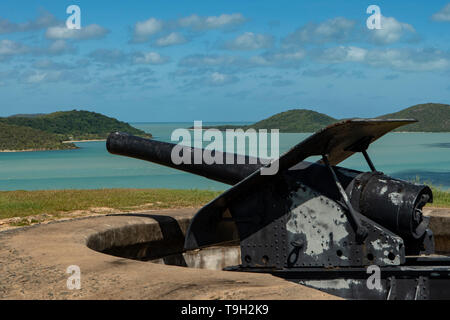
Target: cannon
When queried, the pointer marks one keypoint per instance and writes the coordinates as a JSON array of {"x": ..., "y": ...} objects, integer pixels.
[{"x": 357, "y": 235}]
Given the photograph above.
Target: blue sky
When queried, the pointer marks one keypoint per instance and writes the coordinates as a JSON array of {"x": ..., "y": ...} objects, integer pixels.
[{"x": 222, "y": 60}]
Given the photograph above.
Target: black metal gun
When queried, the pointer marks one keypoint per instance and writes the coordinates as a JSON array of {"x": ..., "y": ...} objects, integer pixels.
[{"x": 316, "y": 224}]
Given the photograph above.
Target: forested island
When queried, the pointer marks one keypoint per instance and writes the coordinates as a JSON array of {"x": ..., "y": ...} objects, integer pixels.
[
  {"x": 432, "y": 117},
  {"x": 55, "y": 131}
]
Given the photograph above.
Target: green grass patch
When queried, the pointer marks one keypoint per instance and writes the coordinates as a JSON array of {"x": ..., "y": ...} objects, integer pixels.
[
  {"x": 57, "y": 202},
  {"x": 441, "y": 198}
]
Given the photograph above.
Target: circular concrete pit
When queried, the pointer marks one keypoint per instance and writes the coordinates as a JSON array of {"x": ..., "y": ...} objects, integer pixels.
[
  {"x": 137, "y": 242},
  {"x": 140, "y": 256}
]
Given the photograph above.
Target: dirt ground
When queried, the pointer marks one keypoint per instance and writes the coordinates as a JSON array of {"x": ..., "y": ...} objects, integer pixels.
[{"x": 34, "y": 261}]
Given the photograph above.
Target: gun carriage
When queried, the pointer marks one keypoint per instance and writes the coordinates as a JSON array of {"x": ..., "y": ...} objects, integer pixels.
[{"x": 315, "y": 223}]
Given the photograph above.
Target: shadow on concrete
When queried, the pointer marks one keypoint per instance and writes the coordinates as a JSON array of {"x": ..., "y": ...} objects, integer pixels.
[{"x": 169, "y": 248}]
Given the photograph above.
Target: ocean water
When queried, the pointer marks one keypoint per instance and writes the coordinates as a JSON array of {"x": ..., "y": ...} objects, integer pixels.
[{"x": 402, "y": 155}]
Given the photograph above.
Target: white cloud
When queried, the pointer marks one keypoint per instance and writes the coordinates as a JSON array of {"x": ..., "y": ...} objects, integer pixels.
[
  {"x": 279, "y": 59},
  {"x": 116, "y": 56},
  {"x": 410, "y": 60},
  {"x": 37, "y": 77},
  {"x": 108, "y": 56},
  {"x": 212, "y": 79},
  {"x": 321, "y": 72},
  {"x": 150, "y": 58},
  {"x": 59, "y": 47},
  {"x": 11, "y": 48},
  {"x": 391, "y": 31},
  {"x": 342, "y": 30},
  {"x": 338, "y": 29},
  {"x": 220, "y": 79},
  {"x": 171, "y": 39},
  {"x": 200, "y": 60},
  {"x": 343, "y": 54},
  {"x": 92, "y": 31},
  {"x": 47, "y": 64},
  {"x": 229, "y": 63},
  {"x": 397, "y": 59},
  {"x": 443, "y": 14},
  {"x": 250, "y": 41},
  {"x": 145, "y": 29},
  {"x": 169, "y": 31},
  {"x": 419, "y": 60},
  {"x": 223, "y": 21},
  {"x": 44, "y": 20}
]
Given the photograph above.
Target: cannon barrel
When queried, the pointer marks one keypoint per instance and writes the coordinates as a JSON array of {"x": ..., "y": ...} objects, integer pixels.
[
  {"x": 159, "y": 152},
  {"x": 393, "y": 203},
  {"x": 124, "y": 144}
]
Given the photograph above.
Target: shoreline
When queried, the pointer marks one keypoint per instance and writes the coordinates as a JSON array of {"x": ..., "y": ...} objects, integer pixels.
[
  {"x": 190, "y": 129},
  {"x": 93, "y": 140},
  {"x": 34, "y": 150},
  {"x": 66, "y": 142}
]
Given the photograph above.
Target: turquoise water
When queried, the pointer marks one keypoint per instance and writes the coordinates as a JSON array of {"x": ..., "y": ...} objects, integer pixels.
[{"x": 402, "y": 155}]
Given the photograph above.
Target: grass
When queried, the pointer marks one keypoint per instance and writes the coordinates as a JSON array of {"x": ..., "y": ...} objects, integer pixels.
[
  {"x": 23, "y": 204},
  {"x": 58, "y": 202},
  {"x": 441, "y": 198}
]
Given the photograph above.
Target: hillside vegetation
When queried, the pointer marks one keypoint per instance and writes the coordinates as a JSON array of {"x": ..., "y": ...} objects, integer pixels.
[
  {"x": 24, "y": 138},
  {"x": 297, "y": 120},
  {"x": 74, "y": 125},
  {"x": 48, "y": 131},
  {"x": 433, "y": 117}
]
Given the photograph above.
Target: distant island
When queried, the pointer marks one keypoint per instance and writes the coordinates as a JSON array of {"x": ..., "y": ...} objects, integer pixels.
[
  {"x": 433, "y": 117},
  {"x": 55, "y": 131}
]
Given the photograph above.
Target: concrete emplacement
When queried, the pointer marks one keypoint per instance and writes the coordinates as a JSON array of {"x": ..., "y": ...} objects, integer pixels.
[{"x": 140, "y": 256}]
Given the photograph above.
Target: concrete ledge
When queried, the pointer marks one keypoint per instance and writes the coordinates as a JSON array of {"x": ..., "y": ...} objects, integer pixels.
[
  {"x": 158, "y": 236},
  {"x": 440, "y": 224},
  {"x": 34, "y": 261}
]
